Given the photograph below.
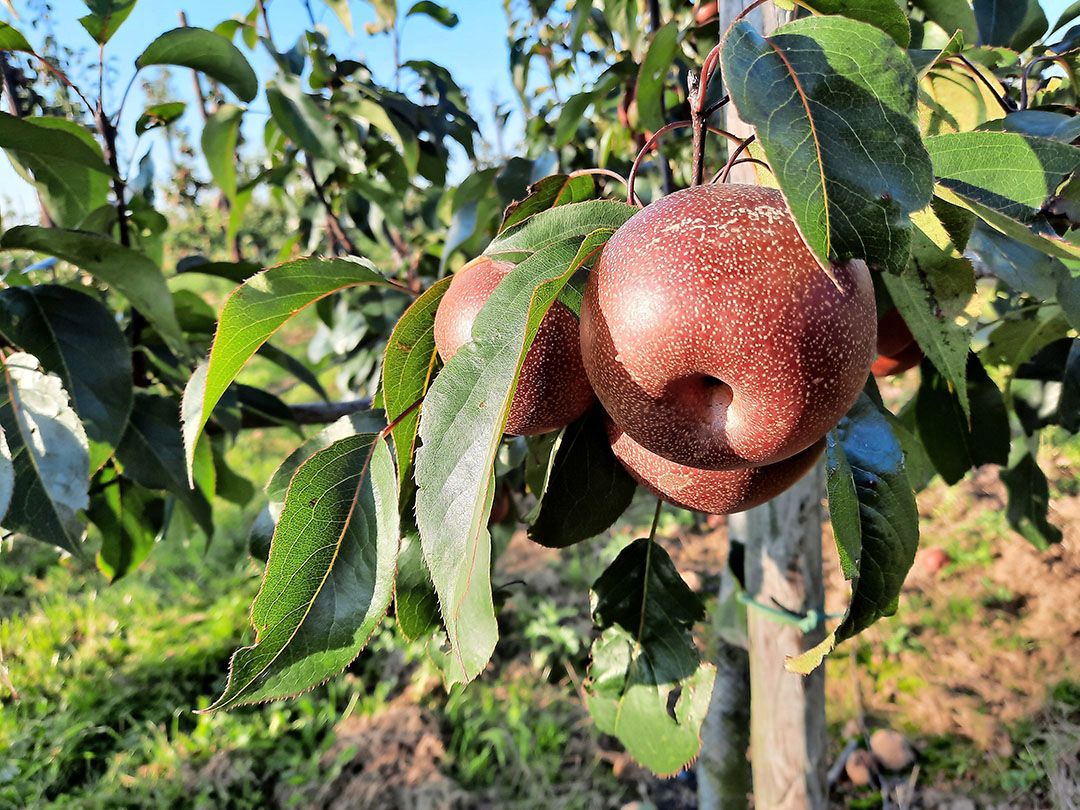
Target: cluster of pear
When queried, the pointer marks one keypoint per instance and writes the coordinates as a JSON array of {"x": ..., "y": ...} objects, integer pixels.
[{"x": 720, "y": 349}]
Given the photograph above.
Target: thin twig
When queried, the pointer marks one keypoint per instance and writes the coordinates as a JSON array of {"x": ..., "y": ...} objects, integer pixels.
[
  {"x": 651, "y": 144},
  {"x": 1006, "y": 105},
  {"x": 666, "y": 179}
]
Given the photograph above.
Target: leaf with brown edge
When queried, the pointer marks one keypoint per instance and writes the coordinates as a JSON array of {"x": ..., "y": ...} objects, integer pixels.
[
  {"x": 461, "y": 427},
  {"x": 558, "y": 189},
  {"x": 329, "y": 577}
]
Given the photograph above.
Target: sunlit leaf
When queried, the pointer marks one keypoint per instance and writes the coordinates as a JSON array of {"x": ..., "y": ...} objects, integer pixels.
[
  {"x": 207, "y": 52},
  {"x": 219, "y": 139}
]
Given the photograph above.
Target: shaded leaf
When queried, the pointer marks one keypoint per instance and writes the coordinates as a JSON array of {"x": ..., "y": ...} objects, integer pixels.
[
  {"x": 952, "y": 16},
  {"x": 1029, "y": 503},
  {"x": 587, "y": 488},
  {"x": 1038, "y": 123},
  {"x": 302, "y": 120},
  {"x": 954, "y": 442},
  {"x": 207, "y": 52},
  {"x": 415, "y": 602},
  {"x": 105, "y": 17},
  {"x": 129, "y": 519},
  {"x": 12, "y": 40},
  {"x": 851, "y": 191},
  {"x": 152, "y": 455},
  {"x": 875, "y": 521},
  {"x": 127, "y": 271},
  {"x": 1013, "y": 24},
  {"x": 647, "y": 684},
  {"x": 440, "y": 14},
  {"x": 329, "y": 576},
  {"x": 48, "y": 449},
  {"x": 75, "y": 337},
  {"x": 159, "y": 115}
]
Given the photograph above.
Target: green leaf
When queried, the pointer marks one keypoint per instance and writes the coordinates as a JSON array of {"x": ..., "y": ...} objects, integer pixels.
[
  {"x": 653, "y": 74},
  {"x": 557, "y": 224},
  {"x": 1006, "y": 179},
  {"x": 128, "y": 272},
  {"x": 552, "y": 191},
  {"x": 1029, "y": 503},
  {"x": 954, "y": 442},
  {"x": 883, "y": 14},
  {"x": 461, "y": 426},
  {"x": 1018, "y": 339},
  {"x": 408, "y": 366},
  {"x": 570, "y": 116},
  {"x": 69, "y": 190},
  {"x": 341, "y": 9},
  {"x": 931, "y": 291},
  {"x": 77, "y": 338},
  {"x": 105, "y": 17},
  {"x": 1012, "y": 24},
  {"x": 415, "y": 602},
  {"x": 12, "y": 40},
  {"x": 647, "y": 684},
  {"x": 587, "y": 488},
  {"x": 329, "y": 577},
  {"x": 31, "y": 137},
  {"x": 129, "y": 519},
  {"x": 48, "y": 448},
  {"x": 302, "y": 120},
  {"x": 875, "y": 521},
  {"x": 951, "y": 15},
  {"x": 207, "y": 52},
  {"x": 152, "y": 455},
  {"x": 1067, "y": 16},
  {"x": 251, "y": 315},
  {"x": 440, "y": 14},
  {"x": 851, "y": 190},
  {"x": 219, "y": 139},
  {"x": 159, "y": 115},
  {"x": 1038, "y": 123}
]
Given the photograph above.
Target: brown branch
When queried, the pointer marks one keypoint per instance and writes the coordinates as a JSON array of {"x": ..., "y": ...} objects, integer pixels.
[
  {"x": 338, "y": 237},
  {"x": 667, "y": 180},
  {"x": 309, "y": 413}
]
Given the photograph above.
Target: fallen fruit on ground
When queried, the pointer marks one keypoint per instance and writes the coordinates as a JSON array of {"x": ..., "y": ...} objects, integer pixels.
[
  {"x": 552, "y": 389},
  {"x": 715, "y": 339}
]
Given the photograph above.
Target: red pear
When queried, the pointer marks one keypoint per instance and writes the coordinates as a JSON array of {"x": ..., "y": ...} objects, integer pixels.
[
  {"x": 897, "y": 349},
  {"x": 713, "y": 336},
  {"x": 553, "y": 389},
  {"x": 720, "y": 492}
]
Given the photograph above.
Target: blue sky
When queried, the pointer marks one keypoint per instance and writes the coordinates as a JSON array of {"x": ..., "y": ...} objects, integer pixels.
[{"x": 475, "y": 52}]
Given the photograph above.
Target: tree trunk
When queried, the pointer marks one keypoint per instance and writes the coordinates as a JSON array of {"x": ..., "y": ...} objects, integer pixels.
[{"x": 783, "y": 568}]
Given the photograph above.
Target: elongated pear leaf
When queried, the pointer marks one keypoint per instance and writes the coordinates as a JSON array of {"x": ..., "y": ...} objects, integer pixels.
[
  {"x": 415, "y": 603},
  {"x": 1006, "y": 179},
  {"x": 11, "y": 39},
  {"x": 647, "y": 684},
  {"x": 586, "y": 489},
  {"x": 49, "y": 451},
  {"x": 219, "y": 140},
  {"x": 205, "y": 51},
  {"x": 557, "y": 224},
  {"x": 1029, "y": 503},
  {"x": 461, "y": 426},
  {"x": 77, "y": 338},
  {"x": 550, "y": 192},
  {"x": 930, "y": 293},
  {"x": 329, "y": 576},
  {"x": 48, "y": 142},
  {"x": 152, "y": 455},
  {"x": 254, "y": 311},
  {"x": 652, "y": 76},
  {"x": 129, "y": 519},
  {"x": 875, "y": 521},
  {"x": 127, "y": 271},
  {"x": 851, "y": 188},
  {"x": 407, "y": 368}
]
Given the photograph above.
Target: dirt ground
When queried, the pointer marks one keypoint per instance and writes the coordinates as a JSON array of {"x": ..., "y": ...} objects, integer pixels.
[{"x": 968, "y": 670}]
